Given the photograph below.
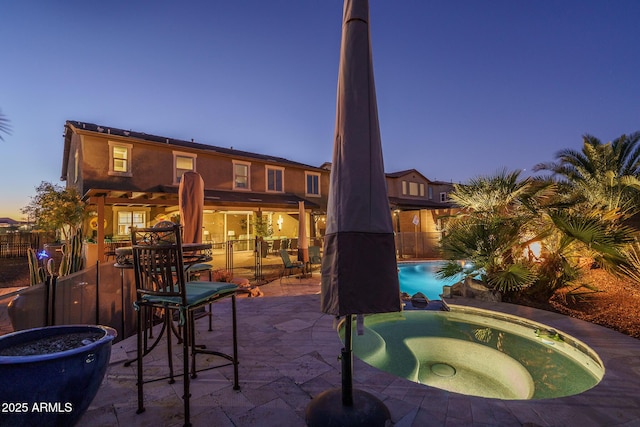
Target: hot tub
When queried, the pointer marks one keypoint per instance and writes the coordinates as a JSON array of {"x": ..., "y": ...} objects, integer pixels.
[{"x": 479, "y": 352}]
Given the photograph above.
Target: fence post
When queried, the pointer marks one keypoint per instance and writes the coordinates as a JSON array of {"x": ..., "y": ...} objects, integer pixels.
[
  {"x": 98, "y": 292},
  {"x": 51, "y": 284},
  {"x": 258, "y": 259},
  {"x": 229, "y": 256}
]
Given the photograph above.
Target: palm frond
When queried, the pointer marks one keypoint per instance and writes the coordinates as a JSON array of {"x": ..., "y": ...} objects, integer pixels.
[
  {"x": 514, "y": 278},
  {"x": 5, "y": 127},
  {"x": 632, "y": 268},
  {"x": 449, "y": 269}
]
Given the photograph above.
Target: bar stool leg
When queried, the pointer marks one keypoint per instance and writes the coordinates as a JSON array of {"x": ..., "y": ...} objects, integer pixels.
[{"x": 236, "y": 384}]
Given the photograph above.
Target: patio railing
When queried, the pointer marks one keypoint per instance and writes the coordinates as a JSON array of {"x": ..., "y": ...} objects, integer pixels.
[
  {"x": 418, "y": 245},
  {"x": 104, "y": 294},
  {"x": 100, "y": 294}
]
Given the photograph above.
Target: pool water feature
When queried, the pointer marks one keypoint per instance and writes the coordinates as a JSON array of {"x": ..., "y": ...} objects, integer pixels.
[
  {"x": 421, "y": 277},
  {"x": 478, "y": 352}
]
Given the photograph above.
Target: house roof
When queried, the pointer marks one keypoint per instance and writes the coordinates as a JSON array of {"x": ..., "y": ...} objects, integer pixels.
[
  {"x": 410, "y": 204},
  {"x": 442, "y": 183},
  {"x": 400, "y": 174},
  {"x": 106, "y": 130},
  {"x": 8, "y": 221}
]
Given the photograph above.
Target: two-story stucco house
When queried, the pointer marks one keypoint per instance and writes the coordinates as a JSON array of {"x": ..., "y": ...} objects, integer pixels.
[{"x": 132, "y": 179}]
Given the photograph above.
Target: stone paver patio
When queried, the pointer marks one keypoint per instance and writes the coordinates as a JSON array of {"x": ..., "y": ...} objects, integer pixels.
[{"x": 289, "y": 354}]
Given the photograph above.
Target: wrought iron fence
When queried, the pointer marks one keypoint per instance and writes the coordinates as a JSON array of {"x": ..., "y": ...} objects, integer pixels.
[
  {"x": 16, "y": 244},
  {"x": 418, "y": 245}
]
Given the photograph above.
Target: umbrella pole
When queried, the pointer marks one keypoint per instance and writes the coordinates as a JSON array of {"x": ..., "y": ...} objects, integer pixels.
[
  {"x": 346, "y": 407},
  {"x": 347, "y": 364}
]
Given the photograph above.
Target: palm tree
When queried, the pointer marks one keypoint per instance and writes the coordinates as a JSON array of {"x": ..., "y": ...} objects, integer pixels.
[
  {"x": 498, "y": 221},
  {"x": 603, "y": 176},
  {"x": 503, "y": 218},
  {"x": 4, "y": 126}
]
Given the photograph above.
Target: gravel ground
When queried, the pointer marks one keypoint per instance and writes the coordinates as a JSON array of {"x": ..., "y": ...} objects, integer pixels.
[
  {"x": 616, "y": 304},
  {"x": 14, "y": 272}
]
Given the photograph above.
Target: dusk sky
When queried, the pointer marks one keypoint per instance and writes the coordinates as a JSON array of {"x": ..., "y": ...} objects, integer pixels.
[{"x": 465, "y": 88}]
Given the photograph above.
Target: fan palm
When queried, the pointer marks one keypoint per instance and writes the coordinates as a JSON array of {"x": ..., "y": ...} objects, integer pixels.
[
  {"x": 601, "y": 238},
  {"x": 496, "y": 224},
  {"x": 574, "y": 237}
]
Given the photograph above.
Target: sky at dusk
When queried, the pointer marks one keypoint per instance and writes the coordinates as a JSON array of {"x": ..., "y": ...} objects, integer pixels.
[{"x": 464, "y": 88}]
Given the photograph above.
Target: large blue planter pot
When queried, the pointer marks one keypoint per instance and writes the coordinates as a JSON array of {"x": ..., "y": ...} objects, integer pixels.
[{"x": 52, "y": 389}]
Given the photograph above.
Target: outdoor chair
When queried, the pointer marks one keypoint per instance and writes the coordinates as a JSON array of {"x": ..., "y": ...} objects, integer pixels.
[
  {"x": 293, "y": 245},
  {"x": 314, "y": 255},
  {"x": 194, "y": 273},
  {"x": 289, "y": 267},
  {"x": 161, "y": 286},
  {"x": 110, "y": 248},
  {"x": 276, "y": 246}
]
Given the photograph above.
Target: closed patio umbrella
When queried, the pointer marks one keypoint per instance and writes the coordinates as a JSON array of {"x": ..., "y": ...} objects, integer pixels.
[
  {"x": 191, "y": 202},
  {"x": 359, "y": 269},
  {"x": 303, "y": 240}
]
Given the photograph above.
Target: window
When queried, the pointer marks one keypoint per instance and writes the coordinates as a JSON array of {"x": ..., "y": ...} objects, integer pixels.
[
  {"x": 241, "y": 175},
  {"x": 443, "y": 197},
  {"x": 119, "y": 159},
  {"x": 182, "y": 162},
  {"x": 412, "y": 189},
  {"x": 313, "y": 184},
  {"x": 128, "y": 219},
  {"x": 274, "y": 179},
  {"x": 430, "y": 193}
]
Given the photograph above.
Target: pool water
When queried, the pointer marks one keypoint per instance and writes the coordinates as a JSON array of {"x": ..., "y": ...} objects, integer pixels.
[
  {"x": 421, "y": 277},
  {"x": 478, "y": 352}
]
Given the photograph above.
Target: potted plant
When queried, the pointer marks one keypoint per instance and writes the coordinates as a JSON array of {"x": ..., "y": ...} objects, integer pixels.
[
  {"x": 262, "y": 228},
  {"x": 50, "y": 375}
]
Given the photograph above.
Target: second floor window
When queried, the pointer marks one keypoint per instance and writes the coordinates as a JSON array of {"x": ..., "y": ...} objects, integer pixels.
[
  {"x": 182, "y": 162},
  {"x": 241, "y": 175},
  {"x": 274, "y": 179},
  {"x": 119, "y": 159},
  {"x": 443, "y": 197},
  {"x": 313, "y": 184},
  {"x": 412, "y": 188}
]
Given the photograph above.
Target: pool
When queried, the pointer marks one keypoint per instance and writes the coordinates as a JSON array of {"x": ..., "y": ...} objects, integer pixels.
[
  {"x": 421, "y": 277},
  {"x": 479, "y": 353}
]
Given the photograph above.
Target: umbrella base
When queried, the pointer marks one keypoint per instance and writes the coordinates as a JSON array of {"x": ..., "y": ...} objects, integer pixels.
[{"x": 327, "y": 410}]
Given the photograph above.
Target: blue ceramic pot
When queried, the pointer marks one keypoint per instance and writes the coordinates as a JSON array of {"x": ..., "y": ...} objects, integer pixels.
[{"x": 52, "y": 389}]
